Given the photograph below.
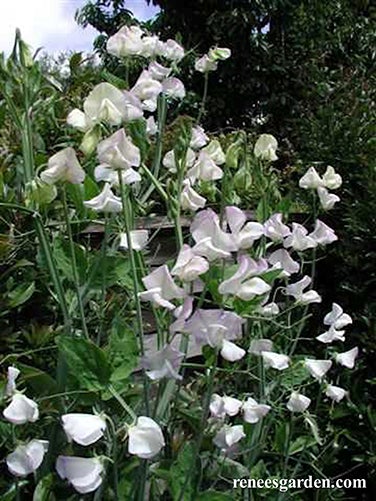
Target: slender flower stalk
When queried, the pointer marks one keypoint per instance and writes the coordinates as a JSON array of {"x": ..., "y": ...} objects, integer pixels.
[{"x": 204, "y": 98}]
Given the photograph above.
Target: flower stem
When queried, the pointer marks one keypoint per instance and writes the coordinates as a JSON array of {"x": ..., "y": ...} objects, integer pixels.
[
  {"x": 204, "y": 97},
  {"x": 122, "y": 402}
]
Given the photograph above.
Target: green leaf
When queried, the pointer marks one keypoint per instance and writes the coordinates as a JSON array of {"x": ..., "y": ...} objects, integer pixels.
[
  {"x": 43, "y": 489},
  {"x": 183, "y": 474},
  {"x": 61, "y": 252},
  {"x": 21, "y": 294},
  {"x": 122, "y": 350},
  {"x": 40, "y": 382},
  {"x": 87, "y": 363}
]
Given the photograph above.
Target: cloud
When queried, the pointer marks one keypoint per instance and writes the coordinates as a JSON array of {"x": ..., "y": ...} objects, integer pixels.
[{"x": 50, "y": 23}]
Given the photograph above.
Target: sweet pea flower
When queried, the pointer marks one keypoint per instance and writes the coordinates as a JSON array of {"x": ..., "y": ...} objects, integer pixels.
[
  {"x": 164, "y": 363},
  {"x": 174, "y": 88},
  {"x": 133, "y": 107},
  {"x": 317, "y": 368},
  {"x": 150, "y": 45},
  {"x": 299, "y": 239},
  {"x": 336, "y": 393},
  {"x": 282, "y": 258},
  {"x": 145, "y": 438},
  {"x": 332, "y": 334},
  {"x": 204, "y": 64},
  {"x": 158, "y": 71},
  {"x": 171, "y": 50},
  {"x": 221, "y": 407},
  {"x": 198, "y": 139},
  {"x": 182, "y": 313},
  {"x": 84, "y": 429},
  {"x": 331, "y": 179},
  {"x": 298, "y": 402},
  {"x": 21, "y": 410},
  {"x": 323, "y": 234},
  {"x": 190, "y": 199},
  {"x": 268, "y": 310},
  {"x": 169, "y": 160},
  {"x": 118, "y": 152},
  {"x": 275, "y": 360},
  {"x": 327, "y": 200},
  {"x": 63, "y": 166},
  {"x": 244, "y": 234},
  {"x": 110, "y": 176},
  {"x": 219, "y": 53},
  {"x": 244, "y": 284},
  {"x": 188, "y": 266},
  {"x": 161, "y": 288},
  {"x": 296, "y": 290},
  {"x": 13, "y": 374},
  {"x": 83, "y": 473},
  {"x": 336, "y": 318},
  {"x": 275, "y": 229},
  {"x": 259, "y": 345},
  {"x": 106, "y": 103},
  {"x": 147, "y": 90},
  {"x": 151, "y": 126},
  {"x": 231, "y": 352},
  {"x": 228, "y": 436},
  {"x": 212, "y": 326},
  {"x": 27, "y": 458},
  {"x": 253, "y": 412},
  {"x": 79, "y": 120},
  {"x": 347, "y": 358},
  {"x": 206, "y": 167},
  {"x": 311, "y": 180},
  {"x": 106, "y": 201},
  {"x": 126, "y": 42},
  {"x": 266, "y": 147},
  {"x": 139, "y": 240}
]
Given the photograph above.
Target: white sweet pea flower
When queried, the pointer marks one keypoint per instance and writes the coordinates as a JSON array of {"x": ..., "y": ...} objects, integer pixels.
[
  {"x": 336, "y": 393},
  {"x": 106, "y": 201},
  {"x": 13, "y": 374},
  {"x": 63, "y": 166},
  {"x": 84, "y": 429},
  {"x": 323, "y": 234},
  {"x": 317, "y": 368},
  {"x": 181, "y": 313},
  {"x": 188, "y": 266},
  {"x": 169, "y": 160},
  {"x": 298, "y": 402},
  {"x": 106, "y": 103},
  {"x": 219, "y": 53},
  {"x": 161, "y": 288},
  {"x": 327, "y": 200},
  {"x": 275, "y": 360},
  {"x": 27, "y": 458},
  {"x": 110, "y": 176},
  {"x": 79, "y": 120},
  {"x": 253, "y": 412},
  {"x": 266, "y": 147},
  {"x": 228, "y": 436},
  {"x": 204, "y": 64},
  {"x": 170, "y": 50},
  {"x": 347, "y": 358},
  {"x": 147, "y": 90},
  {"x": 221, "y": 407},
  {"x": 331, "y": 335},
  {"x": 145, "y": 438},
  {"x": 139, "y": 240},
  {"x": 244, "y": 234},
  {"x": 199, "y": 139},
  {"x": 151, "y": 126},
  {"x": 259, "y": 345},
  {"x": 282, "y": 258},
  {"x": 158, "y": 71},
  {"x": 244, "y": 284},
  {"x": 126, "y": 42},
  {"x": 311, "y": 180},
  {"x": 190, "y": 199},
  {"x": 174, "y": 88},
  {"x": 299, "y": 239},
  {"x": 231, "y": 352},
  {"x": 268, "y": 310},
  {"x": 207, "y": 167},
  {"x": 133, "y": 107},
  {"x": 85, "y": 474},
  {"x": 150, "y": 46},
  {"x": 164, "y": 363},
  {"x": 331, "y": 179},
  {"x": 21, "y": 410},
  {"x": 275, "y": 229},
  {"x": 118, "y": 152},
  {"x": 336, "y": 318},
  {"x": 296, "y": 290}
]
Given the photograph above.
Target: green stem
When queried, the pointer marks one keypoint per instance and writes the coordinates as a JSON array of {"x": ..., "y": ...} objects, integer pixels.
[
  {"x": 155, "y": 183},
  {"x": 76, "y": 277},
  {"x": 126, "y": 217},
  {"x": 204, "y": 97},
  {"x": 122, "y": 402},
  {"x": 104, "y": 273}
]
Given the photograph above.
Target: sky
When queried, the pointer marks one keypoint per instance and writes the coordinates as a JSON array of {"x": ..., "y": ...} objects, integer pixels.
[{"x": 50, "y": 23}]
